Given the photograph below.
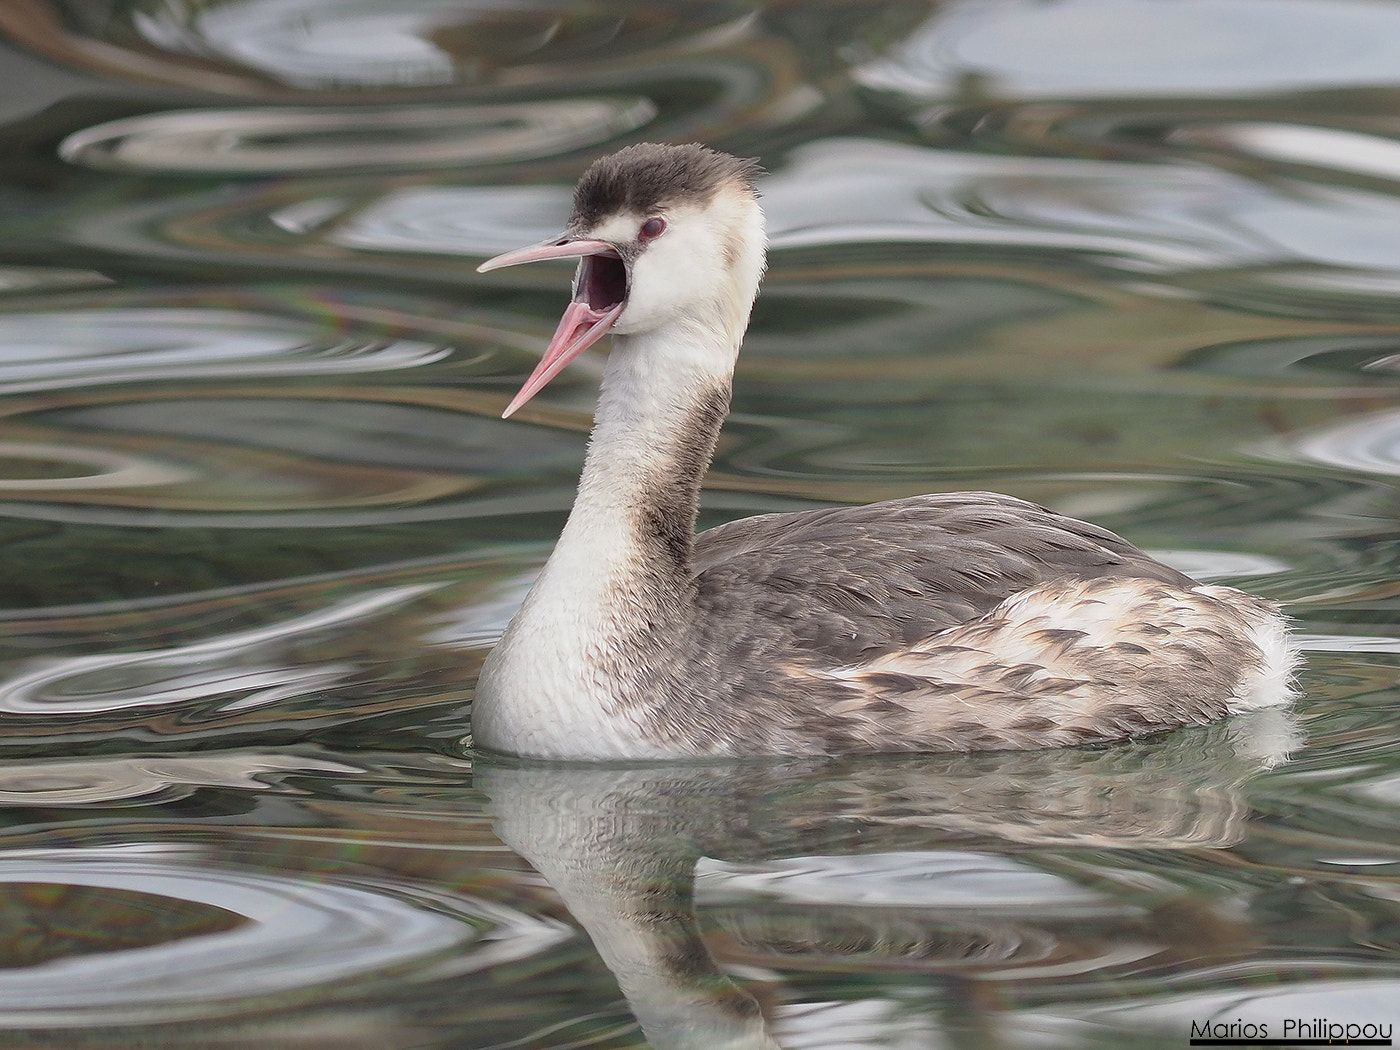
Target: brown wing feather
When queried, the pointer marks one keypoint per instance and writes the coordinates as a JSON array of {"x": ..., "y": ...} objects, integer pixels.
[{"x": 850, "y": 583}]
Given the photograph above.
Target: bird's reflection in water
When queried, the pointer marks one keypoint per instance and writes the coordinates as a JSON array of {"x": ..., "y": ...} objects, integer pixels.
[{"x": 620, "y": 844}]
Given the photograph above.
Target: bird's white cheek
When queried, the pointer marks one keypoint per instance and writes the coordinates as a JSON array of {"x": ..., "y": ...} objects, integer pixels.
[
  {"x": 647, "y": 308},
  {"x": 662, "y": 285}
]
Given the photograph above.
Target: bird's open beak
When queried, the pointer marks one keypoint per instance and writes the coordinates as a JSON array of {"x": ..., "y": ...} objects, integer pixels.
[{"x": 600, "y": 294}]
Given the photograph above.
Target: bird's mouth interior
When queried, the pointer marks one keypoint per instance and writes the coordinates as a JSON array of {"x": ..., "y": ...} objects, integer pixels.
[
  {"x": 602, "y": 281},
  {"x": 600, "y": 296}
]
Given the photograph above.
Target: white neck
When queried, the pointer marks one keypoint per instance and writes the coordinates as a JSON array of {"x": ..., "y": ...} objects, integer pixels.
[
  {"x": 647, "y": 431},
  {"x": 554, "y": 685}
]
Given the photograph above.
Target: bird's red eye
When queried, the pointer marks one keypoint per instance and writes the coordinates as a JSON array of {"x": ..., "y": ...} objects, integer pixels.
[{"x": 654, "y": 227}]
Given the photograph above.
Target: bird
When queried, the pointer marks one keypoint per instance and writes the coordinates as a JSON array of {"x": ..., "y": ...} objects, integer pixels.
[{"x": 945, "y": 622}]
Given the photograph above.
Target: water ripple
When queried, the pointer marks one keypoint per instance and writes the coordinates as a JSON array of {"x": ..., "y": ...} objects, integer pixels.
[
  {"x": 47, "y": 278},
  {"x": 54, "y": 349},
  {"x": 1129, "y": 216},
  {"x": 908, "y": 880},
  {"x": 85, "y": 781},
  {"x": 1222, "y": 565},
  {"x": 1136, "y": 217},
  {"x": 454, "y": 220},
  {"x": 1368, "y": 360},
  {"x": 290, "y": 139},
  {"x": 278, "y": 934},
  {"x": 1370, "y": 444},
  {"x": 1330, "y": 149},
  {"x": 1189, "y": 48},
  {"x": 317, "y": 44},
  {"x": 237, "y": 670},
  {"x": 48, "y": 467},
  {"x": 309, "y": 43}
]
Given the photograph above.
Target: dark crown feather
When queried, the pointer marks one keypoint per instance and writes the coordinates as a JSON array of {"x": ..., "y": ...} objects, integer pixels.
[{"x": 648, "y": 177}]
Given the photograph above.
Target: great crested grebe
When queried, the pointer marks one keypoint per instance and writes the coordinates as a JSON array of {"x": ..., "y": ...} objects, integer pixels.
[{"x": 948, "y": 622}]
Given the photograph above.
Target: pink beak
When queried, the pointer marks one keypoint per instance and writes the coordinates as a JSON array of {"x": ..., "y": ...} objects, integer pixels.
[{"x": 588, "y": 318}]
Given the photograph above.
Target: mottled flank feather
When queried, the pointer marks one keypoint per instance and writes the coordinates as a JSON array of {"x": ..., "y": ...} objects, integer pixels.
[
  {"x": 1075, "y": 662},
  {"x": 1005, "y": 626}
]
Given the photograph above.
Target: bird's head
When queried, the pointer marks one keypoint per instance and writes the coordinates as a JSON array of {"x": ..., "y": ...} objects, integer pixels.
[{"x": 665, "y": 235}]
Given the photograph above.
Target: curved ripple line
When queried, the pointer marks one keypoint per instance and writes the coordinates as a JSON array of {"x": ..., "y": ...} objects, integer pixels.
[
  {"x": 1336, "y": 149},
  {"x": 455, "y": 220},
  {"x": 103, "y": 468},
  {"x": 294, "y": 933},
  {"x": 1188, "y": 48},
  {"x": 1222, "y": 565},
  {"x": 310, "y": 43},
  {"x": 268, "y": 140},
  {"x": 48, "y": 350},
  {"x": 904, "y": 879},
  {"x": 1311, "y": 359},
  {"x": 160, "y": 677},
  {"x": 89, "y": 780},
  {"x": 1147, "y": 218},
  {"x": 49, "y": 278},
  {"x": 1370, "y": 444},
  {"x": 1347, "y": 643}
]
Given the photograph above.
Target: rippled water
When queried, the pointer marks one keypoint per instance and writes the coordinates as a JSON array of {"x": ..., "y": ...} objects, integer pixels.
[{"x": 1138, "y": 260}]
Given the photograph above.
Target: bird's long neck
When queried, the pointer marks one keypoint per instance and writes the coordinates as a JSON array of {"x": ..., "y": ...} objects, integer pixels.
[
  {"x": 582, "y": 668},
  {"x": 658, "y": 420}
]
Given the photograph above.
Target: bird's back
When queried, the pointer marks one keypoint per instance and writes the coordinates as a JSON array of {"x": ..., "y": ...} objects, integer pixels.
[
  {"x": 850, "y": 583},
  {"x": 967, "y": 621}
]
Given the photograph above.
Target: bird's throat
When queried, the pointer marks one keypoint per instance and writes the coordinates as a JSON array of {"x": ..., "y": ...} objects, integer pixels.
[
  {"x": 653, "y": 439},
  {"x": 617, "y": 594}
]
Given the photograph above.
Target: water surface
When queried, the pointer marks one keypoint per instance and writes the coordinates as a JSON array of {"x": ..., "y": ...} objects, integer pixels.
[{"x": 261, "y": 523}]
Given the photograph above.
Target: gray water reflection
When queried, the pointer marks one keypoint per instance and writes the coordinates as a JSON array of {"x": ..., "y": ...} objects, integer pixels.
[
  {"x": 1370, "y": 444},
  {"x": 260, "y": 523},
  {"x": 52, "y": 349},
  {"x": 236, "y": 670},
  {"x": 453, "y": 220},
  {"x": 65, "y": 782},
  {"x": 1327, "y": 149},
  {"x": 620, "y": 846},
  {"x": 305, "y": 43},
  {"x": 1041, "y": 875},
  {"x": 250, "y": 141},
  {"x": 1087, "y": 48},
  {"x": 283, "y": 935},
  {"x": 419, "y": 43}
]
